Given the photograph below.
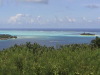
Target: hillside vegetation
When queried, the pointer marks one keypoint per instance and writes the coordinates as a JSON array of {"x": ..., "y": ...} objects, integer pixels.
[{"x": 33, "y": 59}]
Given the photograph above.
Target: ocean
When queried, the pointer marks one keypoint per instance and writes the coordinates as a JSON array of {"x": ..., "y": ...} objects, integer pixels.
[{"x": 48, "y": 37}]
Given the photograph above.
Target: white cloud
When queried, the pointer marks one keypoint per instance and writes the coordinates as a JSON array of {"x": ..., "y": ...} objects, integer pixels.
[
  {"x": 65, "y": 19},
  {"x": 58, "y": 19},
  {"x": 98, "y": 18},
  {"x": 2, "y": 2},
  {"x": 36, "y": 1},
  {"x": 26, "y": 19},
  {"x": 18, "y": 19},
  {"x": 84, "y": 18},
  {"x": 29, "y": 19},
  {"x": 71, "y": 20},
  {"x": 92, "y": 6},
  {"x": 89, "y": 21}
]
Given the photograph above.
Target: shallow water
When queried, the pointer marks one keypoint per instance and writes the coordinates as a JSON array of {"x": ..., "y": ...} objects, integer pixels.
[{"x": 47, "y": 37}]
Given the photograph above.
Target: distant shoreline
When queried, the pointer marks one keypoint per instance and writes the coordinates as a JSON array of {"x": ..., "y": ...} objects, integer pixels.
[
  {"x": 6, "y": 37},
  {"x": 52, "y": 29}
]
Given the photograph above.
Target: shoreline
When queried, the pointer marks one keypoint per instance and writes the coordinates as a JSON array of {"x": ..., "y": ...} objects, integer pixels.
[{"x": 6, "y": 37}]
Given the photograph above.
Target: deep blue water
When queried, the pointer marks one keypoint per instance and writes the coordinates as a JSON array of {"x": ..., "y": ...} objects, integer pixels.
[{"x": 48, "y": 37}]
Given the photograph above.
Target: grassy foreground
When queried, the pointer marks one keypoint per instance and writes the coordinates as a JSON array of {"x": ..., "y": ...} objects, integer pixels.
[{"x": 33, "y": 59}]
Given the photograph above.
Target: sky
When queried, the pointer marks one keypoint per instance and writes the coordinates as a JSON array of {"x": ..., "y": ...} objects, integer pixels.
[{"x": 49, "y": 13}]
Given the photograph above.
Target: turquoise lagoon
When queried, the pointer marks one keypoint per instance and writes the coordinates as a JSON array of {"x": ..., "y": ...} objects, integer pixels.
[{"x": 47, "y": 37}]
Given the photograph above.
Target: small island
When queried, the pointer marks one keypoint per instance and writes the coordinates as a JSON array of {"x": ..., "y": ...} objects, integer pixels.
[
  {"x": 6, "y": 36},
  {"x": 87, "y": 34}
]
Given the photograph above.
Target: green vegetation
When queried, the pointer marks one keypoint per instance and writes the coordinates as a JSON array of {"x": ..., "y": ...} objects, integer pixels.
[
  {"x": 33, "y": 59},
  {"x": 6, "y": 36},
  {"x": 96, "y": 42},
  {"x": 87, "y": 34}
]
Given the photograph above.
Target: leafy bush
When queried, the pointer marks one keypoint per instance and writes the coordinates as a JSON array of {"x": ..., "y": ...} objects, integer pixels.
[
  {"x": 33, "y": 59},
  {"x": 96, "y": 42}
]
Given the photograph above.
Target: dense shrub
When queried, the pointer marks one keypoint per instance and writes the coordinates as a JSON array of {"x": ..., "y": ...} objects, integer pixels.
[
  {"x": 33, "y": 59},
  {"x": 96, "y": 42}
]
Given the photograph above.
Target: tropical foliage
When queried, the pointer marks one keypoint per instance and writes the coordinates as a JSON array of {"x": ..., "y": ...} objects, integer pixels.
[
  {"x": 33, "y": 59},
  {"x": 96, "y": 42}
]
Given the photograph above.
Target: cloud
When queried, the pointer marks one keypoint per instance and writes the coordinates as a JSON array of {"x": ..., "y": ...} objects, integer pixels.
[
  {"x": 26, "y": 19},
  {"x": 19, "y": 19},
  {"x": 98, "y": 18},
  {"x": 84, "y": 18},
  {"x": 3, "y": 2},
  {"x": 92, "y": 6},
  {"x": 87, "y": 20},
  {"x": 40, "y": 20},
  {"x": 14, "y": 19},
  {"x": 71, "y": 20},
  {"x": 65, "y": 19},
  {"x": 34, "y": 1}
]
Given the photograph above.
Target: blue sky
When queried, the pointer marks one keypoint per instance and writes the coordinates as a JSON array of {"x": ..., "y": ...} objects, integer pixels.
[{"x": 49, "y": 14}]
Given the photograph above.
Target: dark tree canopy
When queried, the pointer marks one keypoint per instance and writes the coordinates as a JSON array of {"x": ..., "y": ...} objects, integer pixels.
[{"x": 96, "y": 42}]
